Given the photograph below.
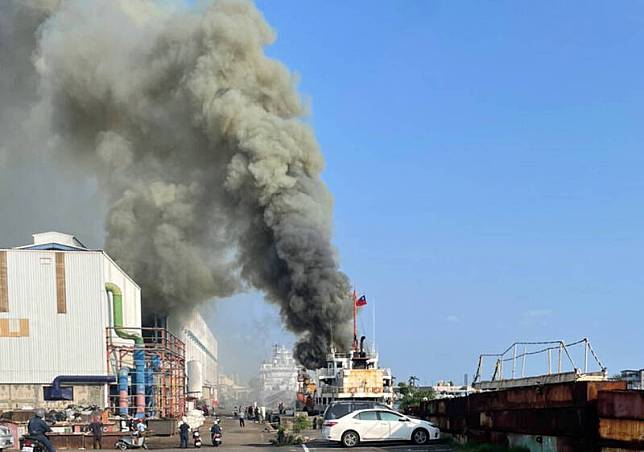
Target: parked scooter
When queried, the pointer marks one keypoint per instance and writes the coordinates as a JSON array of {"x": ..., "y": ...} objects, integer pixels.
[
  {"x": 135, "y": 441},
  {"x": 196, "y": 438}
]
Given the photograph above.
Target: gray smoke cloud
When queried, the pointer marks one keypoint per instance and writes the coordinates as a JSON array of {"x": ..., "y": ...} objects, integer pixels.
[{"x": 211, "y": 178}]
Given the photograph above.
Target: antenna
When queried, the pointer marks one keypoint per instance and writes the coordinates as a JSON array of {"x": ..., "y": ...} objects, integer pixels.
[{"x": 373, "y": 326}]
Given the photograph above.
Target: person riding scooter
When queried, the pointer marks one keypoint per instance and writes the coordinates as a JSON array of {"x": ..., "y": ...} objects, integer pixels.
[
  {"x": 216, "y": 434},
  {"x": 37, "y": 428},
  {"x": 136, "y": 440}
]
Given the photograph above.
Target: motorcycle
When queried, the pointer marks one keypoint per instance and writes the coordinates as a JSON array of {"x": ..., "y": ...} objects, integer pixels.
[
  {"x": 216, "y": 439},
  {"x": 31, "y": 444},
  {"x": 133, "y": 442},
  {"x": 196, "y": 438}
]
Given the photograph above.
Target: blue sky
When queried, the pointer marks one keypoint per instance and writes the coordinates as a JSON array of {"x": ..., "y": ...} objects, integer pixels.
[{"x": 486, "y": 162}]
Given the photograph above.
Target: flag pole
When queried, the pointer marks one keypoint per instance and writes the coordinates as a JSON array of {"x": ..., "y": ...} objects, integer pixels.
[
  {"x": 355, "y": 320},
  {"x": 373, "y": 312}
]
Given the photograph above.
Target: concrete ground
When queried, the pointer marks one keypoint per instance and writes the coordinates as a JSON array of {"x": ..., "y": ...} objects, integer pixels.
[{"x": 256, "y": 438}]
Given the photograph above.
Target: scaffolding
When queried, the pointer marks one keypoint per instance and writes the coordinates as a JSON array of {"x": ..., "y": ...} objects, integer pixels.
[{"x": 165, "y": 395}]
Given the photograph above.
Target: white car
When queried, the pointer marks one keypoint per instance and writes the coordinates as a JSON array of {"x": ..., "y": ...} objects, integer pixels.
[
  {"x": 378, "y": 425},
  {"x": 6, "y": 438}
]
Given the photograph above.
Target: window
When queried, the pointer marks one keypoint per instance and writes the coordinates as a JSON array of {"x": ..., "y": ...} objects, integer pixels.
[
  {"x": 362, "y": 406},
  {"x": 388, "y": 416},
  {"x": 367, "y": 416},
  {"x": 337, "y": 411}
]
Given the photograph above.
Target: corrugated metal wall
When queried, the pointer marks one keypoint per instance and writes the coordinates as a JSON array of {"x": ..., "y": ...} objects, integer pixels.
[
  {"x": 69, "y": 342},
  {"x": 201, "y": 345}
]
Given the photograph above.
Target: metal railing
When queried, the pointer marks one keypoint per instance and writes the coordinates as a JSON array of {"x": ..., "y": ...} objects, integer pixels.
[{"x": 546, "y": 347}]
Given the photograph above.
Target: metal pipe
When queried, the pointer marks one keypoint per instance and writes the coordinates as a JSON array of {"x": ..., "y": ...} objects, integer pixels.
[
  {"x": 57, "y": 393},
  {"x": 123, "y": 390},
  {"x": 585, "y": 355},
  {"x": 477, "y": 374},
  {"x": 139, "y": 353},
  {"x": 514, "y": 357},
  {"x": 549, "y": 367}
]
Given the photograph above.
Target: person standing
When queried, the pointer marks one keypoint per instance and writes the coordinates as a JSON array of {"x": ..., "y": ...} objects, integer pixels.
[
  {"x": 241, "y": 418},
  {"x": 37, "y": 428},
  {"x": 96, "y": 427},
  {"x": 184, "y": 429}
]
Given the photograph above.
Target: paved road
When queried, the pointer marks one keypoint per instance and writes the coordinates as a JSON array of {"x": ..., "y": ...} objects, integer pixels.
[
  {"x": 255, "y": 438},
  {"x": 319, "y": 445}
]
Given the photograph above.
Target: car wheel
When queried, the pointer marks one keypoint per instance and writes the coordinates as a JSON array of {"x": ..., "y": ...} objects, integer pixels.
[
  {"x": 420, "y": 436},
  {"x": 350, "y": 439}
]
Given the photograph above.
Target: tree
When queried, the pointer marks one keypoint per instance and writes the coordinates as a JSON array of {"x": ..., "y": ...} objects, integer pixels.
[
  {"x": 403, "y": 388},
  {"x": 413, "y": 395}
]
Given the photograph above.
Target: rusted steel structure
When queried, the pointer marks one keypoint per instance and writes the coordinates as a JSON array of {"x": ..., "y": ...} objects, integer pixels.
[
  {"x": 564, "y": 417},
  {"x": 621, "y": 418},
  {"x": 165, "y": 385}
]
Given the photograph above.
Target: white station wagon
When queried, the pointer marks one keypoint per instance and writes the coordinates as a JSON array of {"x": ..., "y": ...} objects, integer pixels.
[{"x": 378, "y": 425}]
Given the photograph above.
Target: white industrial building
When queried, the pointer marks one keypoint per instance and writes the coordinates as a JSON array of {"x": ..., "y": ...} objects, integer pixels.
[
  {"x": 278, "y": 378},
  {"x": 54, "y": 314},
  {"x": 634, "y": 378},
  {"x": 202, "y": 367}
]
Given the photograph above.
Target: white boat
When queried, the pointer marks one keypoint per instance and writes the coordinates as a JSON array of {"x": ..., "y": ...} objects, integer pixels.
[{"x": 348, "y": 376}]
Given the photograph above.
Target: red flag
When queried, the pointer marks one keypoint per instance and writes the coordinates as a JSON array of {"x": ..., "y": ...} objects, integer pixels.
[{"x": 362, "y": 301}]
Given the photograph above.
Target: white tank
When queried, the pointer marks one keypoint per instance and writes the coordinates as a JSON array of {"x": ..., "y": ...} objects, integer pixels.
[{"x": 195, "y": 378}]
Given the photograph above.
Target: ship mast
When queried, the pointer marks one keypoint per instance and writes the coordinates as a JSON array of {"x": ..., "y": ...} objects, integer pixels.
[{"x": 355, "y": 321}]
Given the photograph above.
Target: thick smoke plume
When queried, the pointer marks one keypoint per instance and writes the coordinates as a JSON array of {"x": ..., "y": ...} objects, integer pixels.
[{"x": 196, "y": 139}]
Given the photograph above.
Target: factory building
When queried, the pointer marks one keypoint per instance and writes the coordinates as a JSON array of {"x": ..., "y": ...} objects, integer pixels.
[
  {"x": 71, "y": 331},
  {"x": 634, "y": 378},
  {"x": 202, "y": 369},
  {"x": 54, "y": 319}
]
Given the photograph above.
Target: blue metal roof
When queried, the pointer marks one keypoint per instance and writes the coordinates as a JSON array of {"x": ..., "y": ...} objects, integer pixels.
[{"x": 52, "y": 246}]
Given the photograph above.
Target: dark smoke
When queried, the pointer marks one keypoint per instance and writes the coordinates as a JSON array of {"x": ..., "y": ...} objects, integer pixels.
[{"x": 195, "y": 136}]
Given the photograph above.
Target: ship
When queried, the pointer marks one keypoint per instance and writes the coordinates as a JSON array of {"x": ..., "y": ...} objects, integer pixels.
[
  {"x": 352, "y": 375},
  {"x": 278, "y": 378}
]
